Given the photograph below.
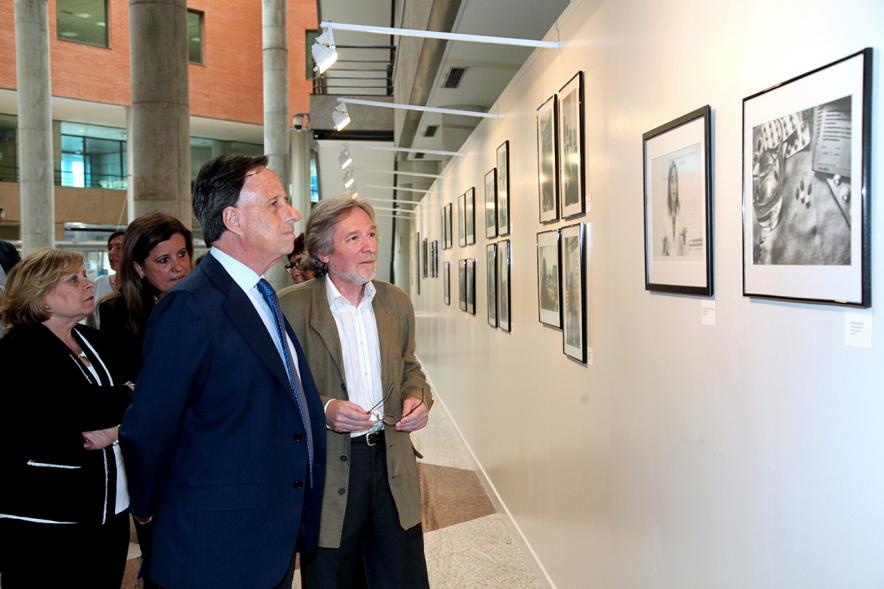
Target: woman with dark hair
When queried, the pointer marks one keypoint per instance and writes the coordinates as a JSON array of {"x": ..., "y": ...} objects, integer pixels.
[
  {"x": 675, "y": 235},
  {"x": 64, "y": 486},
  {"x": 108, "y": 283},
  {"x": 157, "y": 253}
]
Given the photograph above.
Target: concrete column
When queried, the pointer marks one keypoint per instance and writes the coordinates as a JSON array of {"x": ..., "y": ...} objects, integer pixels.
[
  {"x": 159, "y": 138},
  {"x": 34, "y": 124},
  {"x": 299, "y": 188},
  {"x": 276, "y": 106}
]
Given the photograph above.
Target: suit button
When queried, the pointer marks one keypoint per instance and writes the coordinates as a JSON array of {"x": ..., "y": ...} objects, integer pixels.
[
  {"x": 298, "y": 484},
  {"x": 298, "y": 437},
  {"x": 341, "y": 491},
  {"x": 343, "y": 459}
]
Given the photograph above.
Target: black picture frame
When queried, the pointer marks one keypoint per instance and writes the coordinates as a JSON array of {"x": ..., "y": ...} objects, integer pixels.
[
  {"x": 548, "y": 160},
  {"x": 461, "y": 221},
  {"x": 549, "y": 278},
  {"x": 491, "y": 283},
  {"x": 471, "y": 286},
  {"x": 425, "y": 258},
  {"x": 470, "y": 215},
  {"x": 434, "y": 258},
  {"x": 417, "y": 263},
  {"x": 462, "y": 284},
  {"x": 677, "y": 166},
  {"x": 574, "y": 344},
  {"x": 503, "y": 188},
  {"x": 446, "y": 283},
  {"x": 449, "y": 220},
  {"x": 444, "y": 227},
  {"x": 491, "y": 204},
  {"x": 807, "y": 163},
  {"x": 572, "y": 148},
  {"x": 504, "y": 299}
]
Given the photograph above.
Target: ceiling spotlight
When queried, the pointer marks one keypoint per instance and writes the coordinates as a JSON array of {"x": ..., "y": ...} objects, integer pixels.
[
  {"x": 344, "y": 158},
  {"x": 324, "y": 52},
  {"x": 341, "y": 116}
]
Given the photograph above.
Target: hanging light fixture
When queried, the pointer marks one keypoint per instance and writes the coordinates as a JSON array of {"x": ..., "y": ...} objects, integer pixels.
[{"x": 324, "y": 52}]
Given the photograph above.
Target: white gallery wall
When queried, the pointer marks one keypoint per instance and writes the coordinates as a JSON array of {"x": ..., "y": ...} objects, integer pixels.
[{"x": 745, "y": 454}]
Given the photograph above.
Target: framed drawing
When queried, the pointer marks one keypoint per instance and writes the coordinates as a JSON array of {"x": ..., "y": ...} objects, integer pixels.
[
  {"x": 503, "y": 286},
  {"x": 443, "y": 227},
  {"x": 503, "y": 189},
  {"x": 417, "y": 263},
  {"x": 491, "y": 204},
  {"x": 678, "y": 205},
  {"x": 547, "y": 164},
  {"x": 434, "y": 258},
  {"x": 471, "y": 286},
  {"x": 491, "y": 282},
  {"x": 446, "y": 283},
  {"x": 572, "y": 152},
  {"x": 425, "y": 258},
  {"x": 470, "y": 212},
  {"x": 806, "y": 186},
  {"x": 574, "y": 292},
  {"x": 462, "y": 284},
  {"x": 449, "y": 226},
  {"x": 549, "y": 263},
  {"x": 461, "y": 221}
]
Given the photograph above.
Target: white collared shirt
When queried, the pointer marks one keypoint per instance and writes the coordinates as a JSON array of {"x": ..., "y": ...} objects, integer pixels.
[
  {"x": 360, "y": 348},
  {"x": 247, "y": 280}
]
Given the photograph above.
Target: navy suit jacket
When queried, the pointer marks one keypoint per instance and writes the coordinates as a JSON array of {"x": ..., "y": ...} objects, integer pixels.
[{"x": 213, "y": 442}]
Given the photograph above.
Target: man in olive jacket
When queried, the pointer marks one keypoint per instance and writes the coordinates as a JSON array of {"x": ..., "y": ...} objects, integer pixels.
[{"x": 358, "y": 338}]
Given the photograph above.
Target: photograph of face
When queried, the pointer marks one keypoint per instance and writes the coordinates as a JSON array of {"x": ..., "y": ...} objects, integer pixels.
[
  {"x": 503, "y": 285},
  {"x": 491, "y": 282},
  {"x": 491, "y": 204},
  {"x": 546, "y": 160},
  {"x": 679, "y": 205},
  {"x": 548, "y": 278}
]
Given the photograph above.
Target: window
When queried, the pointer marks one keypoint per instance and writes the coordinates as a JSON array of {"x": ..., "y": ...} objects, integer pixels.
[
  {"x": 202, "y": 150},
  {"x": 8, "y": 154},
  {"x": 311, "y": 36},
  {"x": 195, "y": 36},
  {"x": 93, "y": 157},
  {"x": 83, "y": 21}
]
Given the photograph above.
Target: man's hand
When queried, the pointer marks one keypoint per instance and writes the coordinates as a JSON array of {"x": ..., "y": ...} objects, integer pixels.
[
  {"x": 414, "y": 415},
  {"x": 344, "y": 416},
  {"x": 100, "y": 438}
]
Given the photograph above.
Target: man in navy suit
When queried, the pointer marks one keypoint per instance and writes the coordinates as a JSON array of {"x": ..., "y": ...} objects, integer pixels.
[{"x": 225, "y": 441}]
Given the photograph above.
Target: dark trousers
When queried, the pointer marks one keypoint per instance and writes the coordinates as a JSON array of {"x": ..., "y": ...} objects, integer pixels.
[
  {"x": 37, "y": 556},
  {"x": 375, "y": 551}
]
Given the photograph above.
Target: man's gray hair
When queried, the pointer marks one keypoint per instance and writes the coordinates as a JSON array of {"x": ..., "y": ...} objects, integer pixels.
[{"x": 318, "y": 237}]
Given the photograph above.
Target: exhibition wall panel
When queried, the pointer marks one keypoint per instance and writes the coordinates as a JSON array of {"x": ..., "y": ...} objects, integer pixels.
[{"x": 745, "y": 453}]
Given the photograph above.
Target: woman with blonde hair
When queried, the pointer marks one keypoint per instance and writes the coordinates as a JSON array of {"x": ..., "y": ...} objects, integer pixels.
[{"x": 64, "y": 487}]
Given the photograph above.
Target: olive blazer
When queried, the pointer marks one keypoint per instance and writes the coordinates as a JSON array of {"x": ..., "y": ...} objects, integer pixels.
[{"x": 306, "y": 308}]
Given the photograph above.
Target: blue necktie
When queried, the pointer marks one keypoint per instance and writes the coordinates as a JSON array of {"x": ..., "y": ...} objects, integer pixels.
[{"x": 270, "y": 297}]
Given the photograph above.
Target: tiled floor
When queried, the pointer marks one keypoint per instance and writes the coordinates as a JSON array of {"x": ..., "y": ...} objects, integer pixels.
[{"x": 467, "y": 542}]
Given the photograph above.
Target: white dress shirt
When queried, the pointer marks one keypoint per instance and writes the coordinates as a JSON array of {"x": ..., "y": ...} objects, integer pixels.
[
  {"x": 247, "y": 279},
  {"x": 360, "y": 348}
]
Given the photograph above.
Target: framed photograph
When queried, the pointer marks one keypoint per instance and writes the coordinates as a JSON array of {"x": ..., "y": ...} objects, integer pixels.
[
  {"x": 491, "y": 282},
  {"x": 503, "y": 189},
  {"x": 806, "y": 186},
  {"x": 446, "y": 283},
  {"x": 449, "y": 226},
  {"x": 462, "y": 283},
  {"x": 444, "y": 228},
  {"x": 574, "y": 292},
  {"x": 461, "y": 221},
  {"x": 549, "y": 263},
  {"x": 547, "y": 162},
  {"x": 503, "y": 286},
  {"x": 678, "y": 205},
  {"x": 417, "y": 263},
  {"x": 491, "y": 204},
  {"x": 471, "y": 286},
  {"x": 572, "y": 152},
  {"x": 434, "y": 258},
  {"x": 470, "y": 212},
  {"x": 425, "y": 258}
]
